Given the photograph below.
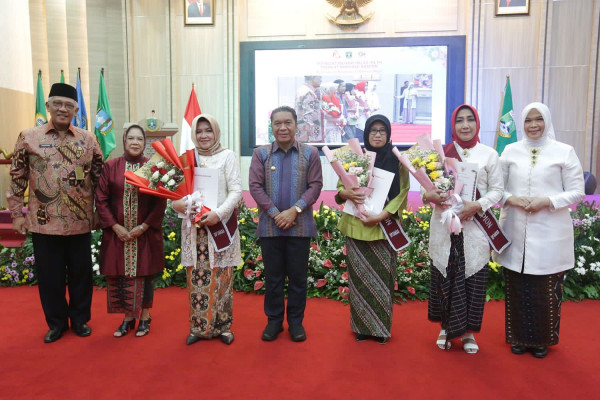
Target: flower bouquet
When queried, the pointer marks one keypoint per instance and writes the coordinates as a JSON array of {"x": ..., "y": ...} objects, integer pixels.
[
  {"x": 164, "y": 174},
  {"x": 354, "y": 167},
  {"x": 427, "y": 163}
]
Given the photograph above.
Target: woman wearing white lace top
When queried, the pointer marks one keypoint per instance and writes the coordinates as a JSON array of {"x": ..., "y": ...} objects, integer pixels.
[
  {"x": 542, "y": 178},
  {"x": 210, "y": 272},
  {"x": 459, "y": 263}
]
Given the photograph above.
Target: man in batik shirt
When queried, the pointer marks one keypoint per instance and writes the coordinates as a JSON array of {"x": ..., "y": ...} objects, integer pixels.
[{"x": 61, "y": 164}]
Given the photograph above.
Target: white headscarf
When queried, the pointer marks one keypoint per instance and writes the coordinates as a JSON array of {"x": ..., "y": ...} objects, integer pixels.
[{"x": 548, "y": 133}]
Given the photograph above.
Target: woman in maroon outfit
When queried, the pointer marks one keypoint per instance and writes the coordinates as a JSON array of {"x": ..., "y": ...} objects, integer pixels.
[{"x": 132, "y": 240}]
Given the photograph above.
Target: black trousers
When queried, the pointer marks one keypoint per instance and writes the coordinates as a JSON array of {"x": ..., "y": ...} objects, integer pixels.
[
  {"x": 57, "y": 259},
  {"x": 285, "y": 257}
]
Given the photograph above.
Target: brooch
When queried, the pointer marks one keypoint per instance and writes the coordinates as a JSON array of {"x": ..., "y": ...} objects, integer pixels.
[
  {"x": 535, "y": 152},
  {"x": 273, "y": 168},
  {"x": 466, "y": 152}
]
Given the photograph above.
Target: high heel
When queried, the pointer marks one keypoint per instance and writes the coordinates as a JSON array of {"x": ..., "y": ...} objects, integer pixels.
[
  {"x": 124, "y": 328},
  {"x": 191, "y": 339},
  {"x": 227, "y": 337},
  {"x": 144, "y": 327}
]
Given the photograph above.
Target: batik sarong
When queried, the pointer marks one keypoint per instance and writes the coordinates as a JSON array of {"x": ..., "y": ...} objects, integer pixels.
[
  {"x": 372, "y": 274},
  {"x": 533, "y": 305},
  {"x": 454, "y": 301},
  {"x": 210, "y": 292},
  {"x": 126, "y": 295}
]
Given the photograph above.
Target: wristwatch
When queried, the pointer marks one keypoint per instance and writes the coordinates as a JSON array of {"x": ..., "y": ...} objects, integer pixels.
[{"x": 298, "y": 209}]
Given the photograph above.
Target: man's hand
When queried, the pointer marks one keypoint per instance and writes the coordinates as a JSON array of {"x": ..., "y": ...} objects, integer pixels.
[
  {"x": 286, "y": 219},
  {"x": 209, "y": 219},
  {"x": 122, "y": 232},
  {"x": 18, "y": 225},
  {"x": 138, "y": 231}
]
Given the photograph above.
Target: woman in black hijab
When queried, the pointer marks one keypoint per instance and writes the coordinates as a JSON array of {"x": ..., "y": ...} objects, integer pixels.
[{"x": 371, "y": 259}]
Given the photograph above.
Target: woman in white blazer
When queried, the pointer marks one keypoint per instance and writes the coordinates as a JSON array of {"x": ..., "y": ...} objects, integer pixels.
[{"x": 542, "y": 177}]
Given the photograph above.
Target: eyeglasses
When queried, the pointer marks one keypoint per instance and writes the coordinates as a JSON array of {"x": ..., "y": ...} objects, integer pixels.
[
  {"x": 59, "y": 104},
  {"x": 377, "y": 132}
]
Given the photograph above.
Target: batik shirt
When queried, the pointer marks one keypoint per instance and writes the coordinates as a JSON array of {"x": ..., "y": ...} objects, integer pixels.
[{"x": 61, "y": 175}]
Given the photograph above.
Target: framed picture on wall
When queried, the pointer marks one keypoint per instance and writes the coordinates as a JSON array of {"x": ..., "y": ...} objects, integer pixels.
[
  {"x": 199, "y": 12},
  {"x": 512, "y": 7}
]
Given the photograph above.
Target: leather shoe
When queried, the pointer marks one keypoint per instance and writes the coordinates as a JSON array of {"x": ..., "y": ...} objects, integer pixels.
[
  {"x": 297, "y": 333},
  {"x": 271, "y": 332},
  {"x": 227, "y": 337},
  {"x": 539, "y": 352},
  {"x": 517, "y": 349},
  {"x": 53, "y": 335},
  {"x": 82, "y": 330},
  {"x": 191, "y": 339}
]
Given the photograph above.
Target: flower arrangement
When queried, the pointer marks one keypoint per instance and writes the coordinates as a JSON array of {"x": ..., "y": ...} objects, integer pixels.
[
  {"x": 328, "y": 269},
  {"x": 163, "y": 173}
]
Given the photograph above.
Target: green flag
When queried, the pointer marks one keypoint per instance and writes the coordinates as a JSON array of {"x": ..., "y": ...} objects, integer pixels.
[
  {"x": 104, "y": 127},
  {"x": 40, "y": 104},
  {"x": 507, "y": 131},
  {"x": 62, "y": 76}
]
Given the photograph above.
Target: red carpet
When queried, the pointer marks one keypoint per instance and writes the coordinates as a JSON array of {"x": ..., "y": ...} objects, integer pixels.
[{"x": 329, "y": 365}]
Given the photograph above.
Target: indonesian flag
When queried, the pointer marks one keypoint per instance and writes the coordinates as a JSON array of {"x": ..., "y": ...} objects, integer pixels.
[{"x": 191, "y": 111}]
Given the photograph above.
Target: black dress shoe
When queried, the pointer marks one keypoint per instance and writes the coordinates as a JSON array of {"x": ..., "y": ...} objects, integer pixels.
[
  {"x": 82, "y": 330},
  {"x": 53, "y": 335},
  {"x": 191, "y": 339},
  {"x": 518, "y": 349},
  {"x": 297, "y": 333},
  {"x": 125, "y": 327},
  {"x": 361, "y": 338},
  {"x": 227, "y": 337},
  {"x": 272, "y": 330},
  {"x": 144, "y": 327},
  {"x": 539, "y": 352}
]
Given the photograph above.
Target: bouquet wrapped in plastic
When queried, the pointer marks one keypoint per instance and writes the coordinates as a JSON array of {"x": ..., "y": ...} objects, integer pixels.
[
  {"x": 427, "y": 163},
  {"x": 354, "y": 166},
  {"x": 164, "y": 175}
]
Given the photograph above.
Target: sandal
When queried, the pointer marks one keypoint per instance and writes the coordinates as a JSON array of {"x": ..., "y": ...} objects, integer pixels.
[
  {"x": 442, "y": 341},
  {"x": 469, "y": 344},
  {"x": 124, "y": 328},
  {"x": 144, "y": 327}
]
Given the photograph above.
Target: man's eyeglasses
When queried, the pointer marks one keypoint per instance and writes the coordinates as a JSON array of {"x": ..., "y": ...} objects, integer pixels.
[
  {"x": 59, "y": 104},
  {"x": 377, "y": 132}
]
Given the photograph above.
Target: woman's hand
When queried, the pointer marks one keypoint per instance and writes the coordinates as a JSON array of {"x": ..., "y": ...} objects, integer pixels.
[
  {"x": 353, "y": 194},
  {"x": 372, "y": 220},
  {"x": 518, "y": 201},
  {"x": 537, "y": 203},
  {"x": 210, "y": 218},
  {"x": 469, "y": 210},
  {"x": 138, "y": 231},
  {"x": 436, "y": 196},
  {"x": 179, "y": 206},
  {"x": 122, "y": 232}
]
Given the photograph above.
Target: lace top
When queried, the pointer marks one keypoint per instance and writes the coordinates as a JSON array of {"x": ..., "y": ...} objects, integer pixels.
[{"x": 230, "y": 193}]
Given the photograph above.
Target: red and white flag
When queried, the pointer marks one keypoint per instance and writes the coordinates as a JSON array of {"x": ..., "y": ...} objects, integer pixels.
[{"x": 191, "y": 111}]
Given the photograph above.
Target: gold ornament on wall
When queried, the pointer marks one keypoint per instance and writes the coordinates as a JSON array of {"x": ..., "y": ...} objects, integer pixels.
[{"x": 349, "y": 16}]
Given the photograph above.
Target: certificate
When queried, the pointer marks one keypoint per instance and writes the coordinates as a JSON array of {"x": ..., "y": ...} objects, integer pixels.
[
  {"x": 381, "y": 183},
  {"x": 467, "y": 175},
  {"x": 206, "y": 181}
]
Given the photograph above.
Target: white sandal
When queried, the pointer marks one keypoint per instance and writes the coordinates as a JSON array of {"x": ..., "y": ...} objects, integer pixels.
[
  {"x": 441, "y": 342},
  {"x": 469, "y": 343}
]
